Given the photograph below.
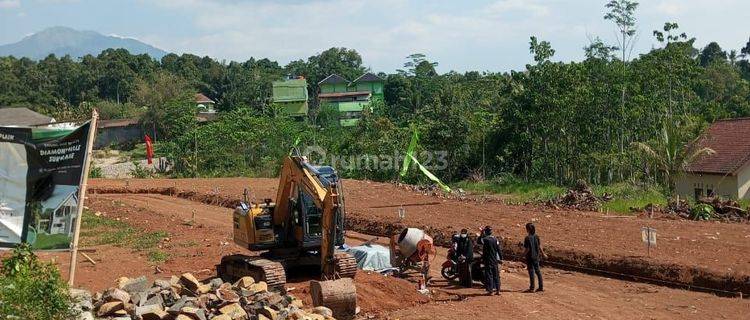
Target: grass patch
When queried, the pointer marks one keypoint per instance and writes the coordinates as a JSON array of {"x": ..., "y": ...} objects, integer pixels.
[
  {"x": 101, "y": 230},
  {"x": 516, "y": 190},
  {"x": 157, "y": 256},
  {"x": 139, "y": 152},
  {"x": 51, "y": 241},
  {"x": 624, "y": 195}
]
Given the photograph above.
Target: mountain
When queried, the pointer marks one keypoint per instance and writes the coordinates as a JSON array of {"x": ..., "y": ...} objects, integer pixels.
[{"x": 63, "y": 40}]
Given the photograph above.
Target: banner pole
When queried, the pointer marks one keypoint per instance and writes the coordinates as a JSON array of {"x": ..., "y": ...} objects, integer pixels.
[{"x": 82, "y": 196}]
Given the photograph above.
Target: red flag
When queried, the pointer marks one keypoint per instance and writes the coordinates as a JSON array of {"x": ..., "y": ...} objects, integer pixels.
[{"x": 149, "y": 150}]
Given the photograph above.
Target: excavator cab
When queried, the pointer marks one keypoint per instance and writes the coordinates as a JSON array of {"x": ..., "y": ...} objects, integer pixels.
[{"x": 302, "y": 228}]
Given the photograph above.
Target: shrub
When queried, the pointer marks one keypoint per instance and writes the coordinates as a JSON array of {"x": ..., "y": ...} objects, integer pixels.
[{"x": 32, "y": 289}]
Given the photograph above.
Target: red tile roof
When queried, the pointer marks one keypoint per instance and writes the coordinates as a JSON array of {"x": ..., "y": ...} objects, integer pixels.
[
  {"x": 730, "y": 139},
  {"x": 200, "y": 98}
]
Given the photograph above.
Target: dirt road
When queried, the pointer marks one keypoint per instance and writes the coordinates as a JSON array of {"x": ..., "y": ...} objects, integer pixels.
[
  {"x": 701, "y": 253},
  {"x": 569, "y": 295}
]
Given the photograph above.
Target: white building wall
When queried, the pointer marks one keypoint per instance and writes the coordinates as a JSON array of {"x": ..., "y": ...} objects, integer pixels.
[
  {"x": 721, "y": 185},
  {"x": 743, "y": 178}
]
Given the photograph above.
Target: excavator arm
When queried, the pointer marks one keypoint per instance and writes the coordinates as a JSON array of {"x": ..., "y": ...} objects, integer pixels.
[{"x": 298, "y": 175}]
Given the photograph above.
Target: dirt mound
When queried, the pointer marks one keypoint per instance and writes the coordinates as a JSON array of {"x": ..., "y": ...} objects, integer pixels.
[{"x": 376, "y": 293}]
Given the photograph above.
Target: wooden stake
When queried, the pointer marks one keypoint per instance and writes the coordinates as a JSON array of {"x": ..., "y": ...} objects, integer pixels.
[
  {"x": 82, "y": 196},
  {"x": 88, "y": 258}
]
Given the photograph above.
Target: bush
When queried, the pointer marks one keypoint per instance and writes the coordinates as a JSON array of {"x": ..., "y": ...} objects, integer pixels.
[
  {"x": 32, "y": 289},
  {"x": 95, "y": 172},
  {"x": 702, "y": 211}
]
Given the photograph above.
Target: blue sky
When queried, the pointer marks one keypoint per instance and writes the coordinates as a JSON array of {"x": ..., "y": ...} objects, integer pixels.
[{"x": 484, "y": 35}]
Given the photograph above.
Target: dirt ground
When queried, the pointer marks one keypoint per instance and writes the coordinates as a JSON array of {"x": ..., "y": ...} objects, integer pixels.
[
  {"x": 701, "y": 253},
  {"x": 196, "y": 246}
]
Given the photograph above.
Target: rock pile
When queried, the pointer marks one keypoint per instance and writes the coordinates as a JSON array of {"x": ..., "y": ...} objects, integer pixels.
[{"x": 186, "y": 298}]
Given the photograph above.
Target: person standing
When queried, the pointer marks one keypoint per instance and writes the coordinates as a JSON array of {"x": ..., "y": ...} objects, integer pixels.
[
  {"x": 465, "y": 254},
  {"x": 492, "y": 255},
  {"x": 533, "y": 251}
]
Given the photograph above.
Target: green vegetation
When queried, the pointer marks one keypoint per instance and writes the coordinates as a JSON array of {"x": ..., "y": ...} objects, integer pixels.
[
  {"x": 101, "y": 230},
  {"x": 517, "y": 191},
  {"x": 157, "y": 256},
  {"x": 32, "y": 289},
  {"x": 52, "y": 241},
  {"x": 608, "y": 119},
  {"x": 625, "y": 195},
  {"x": 95, "y": 172}
]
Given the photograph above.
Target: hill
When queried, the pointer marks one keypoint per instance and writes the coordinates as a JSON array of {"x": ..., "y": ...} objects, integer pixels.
[{"x": 63, "y": 40}]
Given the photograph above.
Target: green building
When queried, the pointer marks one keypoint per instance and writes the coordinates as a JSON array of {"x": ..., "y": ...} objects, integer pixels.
[
  {"x": 291, "y": 96},
  {"x": 350, "y": 99}
]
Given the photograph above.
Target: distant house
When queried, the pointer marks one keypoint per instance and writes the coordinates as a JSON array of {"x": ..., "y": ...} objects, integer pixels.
[
  {"x": 204, "y": 104},
  {"x": 725, "y": 173},
  {"x": 23, "y": 117},
  {"x": 350, "y": 99},
  {"x": 117, "y": 132},
  {"x": 291, "y": 96}
]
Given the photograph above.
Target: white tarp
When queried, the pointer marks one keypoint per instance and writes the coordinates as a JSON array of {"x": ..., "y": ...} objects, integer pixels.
[{"x": 371, "y": 257}]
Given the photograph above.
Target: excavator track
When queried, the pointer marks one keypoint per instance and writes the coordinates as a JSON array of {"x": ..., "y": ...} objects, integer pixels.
[
  {"x": 345, "y": 265},
  {"x": 237, "y": 266}
]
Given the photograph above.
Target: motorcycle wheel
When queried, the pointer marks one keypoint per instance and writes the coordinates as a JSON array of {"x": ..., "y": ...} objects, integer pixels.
[{"x": 448, "y": 274}]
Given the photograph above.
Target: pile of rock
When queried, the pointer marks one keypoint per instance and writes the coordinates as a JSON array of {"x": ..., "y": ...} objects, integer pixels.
[{"x": 186, "y": 298}]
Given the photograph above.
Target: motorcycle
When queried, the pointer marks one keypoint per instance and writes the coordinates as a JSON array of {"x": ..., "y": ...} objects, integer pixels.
[{"x": 449, "y": 268}]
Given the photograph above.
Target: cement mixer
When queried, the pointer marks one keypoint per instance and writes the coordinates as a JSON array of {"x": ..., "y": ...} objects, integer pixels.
[{"x": 411, "y": 250}]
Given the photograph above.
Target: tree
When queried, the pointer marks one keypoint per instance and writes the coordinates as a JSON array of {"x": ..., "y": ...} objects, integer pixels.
[
  {"x": 711, "y": 54},
  {"x": 673, "y": 149},
  {"x": 169, "y": 103},
  {"x": 622, "y": 13}
]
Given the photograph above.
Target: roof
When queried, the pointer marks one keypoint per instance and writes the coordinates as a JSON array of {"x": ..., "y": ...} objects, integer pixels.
[
  {"x": 368, "y": 77},
  {"x": 333, "y": 79},
  {"x": 59, "y": 196},
  {"x": 22, "y": 117},
  {"x": 299, "y": 82},
  {"x": 344, "y": 94},
  {"x": 729, "y": 139},
  {"x": 116, "y": 123},
  {"x": 200, "y": 98}
]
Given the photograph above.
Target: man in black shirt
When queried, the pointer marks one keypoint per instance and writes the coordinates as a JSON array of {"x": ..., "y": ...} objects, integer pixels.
[
  {"x": 533, "y": 250},
  {"x": 492, "y": 255},
  {"x": 465, "y": 254}
]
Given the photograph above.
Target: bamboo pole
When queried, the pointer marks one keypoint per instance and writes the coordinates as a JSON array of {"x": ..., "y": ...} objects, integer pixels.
[{"x": 82, "y": 196}]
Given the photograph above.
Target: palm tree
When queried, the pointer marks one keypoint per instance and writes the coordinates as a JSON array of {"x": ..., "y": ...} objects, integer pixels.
[{"x": 673, "y": 150}]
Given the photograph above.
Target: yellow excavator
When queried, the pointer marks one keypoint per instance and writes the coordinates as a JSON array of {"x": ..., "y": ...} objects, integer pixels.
[{"x": 302, "y": 228}]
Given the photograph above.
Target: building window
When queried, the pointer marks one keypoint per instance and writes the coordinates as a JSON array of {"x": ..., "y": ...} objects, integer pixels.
[
  {"x": 698, "y": 193},
  {"x": 710, "y": 192}
]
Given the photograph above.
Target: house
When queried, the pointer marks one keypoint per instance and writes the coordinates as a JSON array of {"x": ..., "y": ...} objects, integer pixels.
[
  {"x": 350, "y": 99},
  {"x": 59, "y": 211},
  {"x": 291, "y": 96},
  {"x": 23, "y": 117},
  {"x": 204, "y": 104},
  {"x": 725, "y": 173},
  {"x": 117, "y": 132}
]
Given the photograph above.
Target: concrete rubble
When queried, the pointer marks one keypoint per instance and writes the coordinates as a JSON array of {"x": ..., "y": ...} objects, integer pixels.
[{"x": 186, "y": 298}]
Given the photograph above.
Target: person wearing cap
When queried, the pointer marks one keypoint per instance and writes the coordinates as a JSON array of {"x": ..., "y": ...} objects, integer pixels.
[
  {"x": 532, "y": 251},
  {"x": 492, "y": 255},
  {"x": 465, "y": 254}
]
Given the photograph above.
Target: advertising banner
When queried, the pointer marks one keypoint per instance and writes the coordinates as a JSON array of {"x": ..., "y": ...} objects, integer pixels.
[{"x": 40, "y": 178}]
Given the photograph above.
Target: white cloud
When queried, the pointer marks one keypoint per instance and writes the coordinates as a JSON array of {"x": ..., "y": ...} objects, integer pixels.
[
  {"x": 492, "y": 34},
  {"x": 10, "y": 4}
]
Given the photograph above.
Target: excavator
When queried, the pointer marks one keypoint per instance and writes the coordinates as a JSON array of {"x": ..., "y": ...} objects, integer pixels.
[{"x": 301, "y": 228}]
